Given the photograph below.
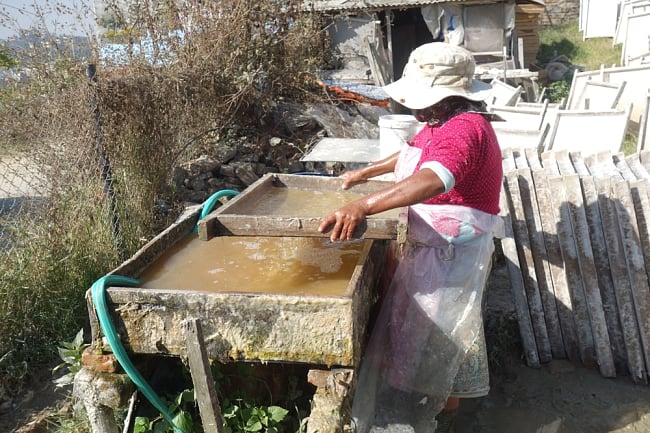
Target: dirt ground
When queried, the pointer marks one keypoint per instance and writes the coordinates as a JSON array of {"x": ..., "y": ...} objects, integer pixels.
[{"x": 558, "y": 398}]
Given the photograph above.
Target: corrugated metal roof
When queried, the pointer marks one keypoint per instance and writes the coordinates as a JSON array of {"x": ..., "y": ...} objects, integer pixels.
[{"x": 339, "y": 5}]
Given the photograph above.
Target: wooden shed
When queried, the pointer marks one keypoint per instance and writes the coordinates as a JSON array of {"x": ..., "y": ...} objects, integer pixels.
[
  {"x": 527, "y": 23},
  {"x": 373, "y": 38}
]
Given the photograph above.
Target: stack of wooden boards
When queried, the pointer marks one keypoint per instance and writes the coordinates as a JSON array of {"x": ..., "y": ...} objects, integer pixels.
[{"x": 578, "y": 253}]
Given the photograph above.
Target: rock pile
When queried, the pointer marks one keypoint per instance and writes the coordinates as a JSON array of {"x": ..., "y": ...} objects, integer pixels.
[{"x": 242, "y": 161}]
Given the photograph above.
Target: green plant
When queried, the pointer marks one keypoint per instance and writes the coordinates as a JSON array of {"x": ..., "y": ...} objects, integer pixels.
[
  {"x": 181, "y": 406},
  {"x": 6, "y": 61},
  {"x": 559, "y": 90},
  {"x": 70, "y": 353},
  {"x": 242, "y": 416}
]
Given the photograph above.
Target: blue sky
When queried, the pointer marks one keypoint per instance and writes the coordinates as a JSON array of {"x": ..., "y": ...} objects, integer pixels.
[{"x": 61, "y": 17}]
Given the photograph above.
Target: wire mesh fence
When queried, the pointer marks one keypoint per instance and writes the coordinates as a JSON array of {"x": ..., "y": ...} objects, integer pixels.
[{"x": 22, "y": 196}]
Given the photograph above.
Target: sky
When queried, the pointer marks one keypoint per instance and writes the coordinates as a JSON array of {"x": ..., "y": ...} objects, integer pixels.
[{"x": 60, "y": 17}]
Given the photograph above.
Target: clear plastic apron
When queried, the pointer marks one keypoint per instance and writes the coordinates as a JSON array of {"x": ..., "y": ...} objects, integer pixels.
[{"x": 431, "y": 314}]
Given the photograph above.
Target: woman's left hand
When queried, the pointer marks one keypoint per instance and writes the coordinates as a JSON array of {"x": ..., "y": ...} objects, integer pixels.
[{"x": 345, "y": 220}]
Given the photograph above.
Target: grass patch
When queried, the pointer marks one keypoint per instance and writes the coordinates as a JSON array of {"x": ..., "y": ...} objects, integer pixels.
[{"x": 586, "y": 54}]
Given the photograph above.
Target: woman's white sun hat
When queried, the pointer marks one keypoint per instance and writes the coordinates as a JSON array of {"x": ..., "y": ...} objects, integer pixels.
[{"x": 436, "y": 71}]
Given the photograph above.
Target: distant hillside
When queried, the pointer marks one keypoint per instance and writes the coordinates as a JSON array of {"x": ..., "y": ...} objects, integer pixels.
[{"x": 24, "y": 48}]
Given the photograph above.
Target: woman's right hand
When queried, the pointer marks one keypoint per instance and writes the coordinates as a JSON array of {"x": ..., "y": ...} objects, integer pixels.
[{"x": 344, "y": 221}]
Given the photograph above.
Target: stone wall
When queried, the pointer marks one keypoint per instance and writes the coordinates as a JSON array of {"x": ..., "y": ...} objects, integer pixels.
[{"x": 560, "y": 11}]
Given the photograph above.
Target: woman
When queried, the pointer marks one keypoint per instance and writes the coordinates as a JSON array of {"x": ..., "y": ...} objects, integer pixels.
[{"x": 427, "y": 347}]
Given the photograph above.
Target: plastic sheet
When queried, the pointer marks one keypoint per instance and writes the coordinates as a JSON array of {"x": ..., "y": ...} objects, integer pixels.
[{"x": 430, "y": 316}]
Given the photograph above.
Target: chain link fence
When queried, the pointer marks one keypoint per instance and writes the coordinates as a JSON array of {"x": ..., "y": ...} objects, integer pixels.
[
  {"x": 56, "y": 233},
  {"x": 22, "y": 196},
  {"x": 52, "y": 174}
]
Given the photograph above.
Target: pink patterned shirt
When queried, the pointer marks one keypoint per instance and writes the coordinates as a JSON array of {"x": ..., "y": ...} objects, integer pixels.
[{"x": 467, "y": 147}]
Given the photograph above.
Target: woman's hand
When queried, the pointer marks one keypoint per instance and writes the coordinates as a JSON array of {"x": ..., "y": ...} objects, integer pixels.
[
  {"x": 386, "y": 165},
  {"x": 345, "y": 221},
  {"x": 351, "y": 177}
]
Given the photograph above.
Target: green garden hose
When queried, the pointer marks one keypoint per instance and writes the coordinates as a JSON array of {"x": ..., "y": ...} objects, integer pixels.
[
  {"x": 209, "y": 203},
  {"x": 98, "y": 291}
]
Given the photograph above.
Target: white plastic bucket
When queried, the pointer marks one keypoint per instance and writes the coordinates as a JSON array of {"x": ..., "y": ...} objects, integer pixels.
[{"x": 394, "y": 131}]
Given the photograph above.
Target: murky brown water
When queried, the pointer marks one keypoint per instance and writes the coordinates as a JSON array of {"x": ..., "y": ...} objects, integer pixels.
[
  {"x": 303, "y": 203},
  {"x": 278, "y": 265}
]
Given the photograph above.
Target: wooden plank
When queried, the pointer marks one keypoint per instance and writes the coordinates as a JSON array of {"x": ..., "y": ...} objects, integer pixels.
[
  {"x": 533, "y": 158},
  {"x": 639, "y": 190},
  {"x": 579, "y": 163},
  {"x": 549, "y": 162},
  {"x": 644, "y": 157},
  {"x": 517, "y": 283},
  {"x": 620, "y": 279},
  {"x": 507, "y": 161},
  {"x": 520, "y": 158},
  {"x": 621, "y": 165},
  {"x": 637, "y": 168},
  {"x": 206, "y": 394},
  {"x": 527, "y": 264},
  {"x": 564, "y": 163},
  {"x": 603, "y": 272},
  {"x": 591, "y": 161},
  {"x": 635, "y": 263},
  {"x": 540, "y": 260},
  {"x": 607, "y": 166},
  {"x": 572, "y": 271},
  {"x": 601, "y": 164},
  {"x": 556, "y": 266},
  {"x": 585, "y": 256}
]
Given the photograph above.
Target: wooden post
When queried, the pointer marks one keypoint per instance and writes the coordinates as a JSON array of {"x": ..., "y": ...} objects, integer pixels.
[
  {"x": 644, "y": 157},
  {"x": 533, "y": 158},
  {"x": 549, "y": 162},
  {"x": 564, "y": 163},
  {"x": 621, "y": 164},
  {"x": 204, "y": 389}
]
